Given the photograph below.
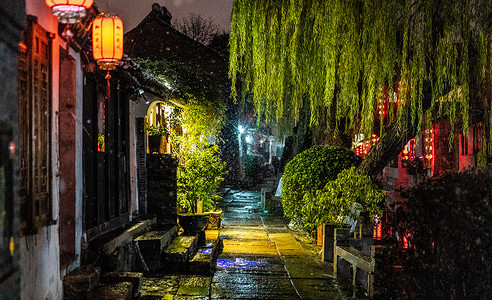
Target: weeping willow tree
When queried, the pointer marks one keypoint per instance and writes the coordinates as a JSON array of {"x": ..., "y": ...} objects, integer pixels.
[{"x": 334, "y": 57}]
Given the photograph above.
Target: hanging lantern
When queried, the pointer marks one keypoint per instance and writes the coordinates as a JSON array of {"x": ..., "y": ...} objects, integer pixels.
[
  {"x": 69, "y": 11},
  {"x": 107, "y": 41}
]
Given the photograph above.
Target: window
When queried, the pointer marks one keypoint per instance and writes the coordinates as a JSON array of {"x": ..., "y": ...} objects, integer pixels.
[
  {"x": 35, "y": 129},
  {"x": 159, "y": 118}
]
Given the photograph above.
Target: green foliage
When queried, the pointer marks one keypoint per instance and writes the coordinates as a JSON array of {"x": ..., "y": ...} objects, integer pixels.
[
  {"x": 200, "y": 173},
  {"x": 200, "y": 169},
  {"x": 157, "y": 130},
  {"x": 351, "y": 193},
  {"x": 448, "y": 221},
  {"x": 101, "y": 145},
  {"x": 482, "y": 157},
  {"x": 203, "y": 120},
  {"x": 334, "y": 55},
  {"x": 310, "y": 171}
]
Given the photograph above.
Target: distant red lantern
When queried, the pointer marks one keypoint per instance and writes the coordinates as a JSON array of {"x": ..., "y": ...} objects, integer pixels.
[
  {"x": 107, "y": 41},
  {"x": 69, "y": 11}
]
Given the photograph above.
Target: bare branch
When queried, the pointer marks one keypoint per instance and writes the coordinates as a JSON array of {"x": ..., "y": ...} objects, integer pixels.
[{"x": 197, "y": 27}]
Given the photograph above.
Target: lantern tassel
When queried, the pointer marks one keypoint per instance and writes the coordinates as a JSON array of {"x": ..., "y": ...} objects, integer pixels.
[{"x": 108, "y": 87}]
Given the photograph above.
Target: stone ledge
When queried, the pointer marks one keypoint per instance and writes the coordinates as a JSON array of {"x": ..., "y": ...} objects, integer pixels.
[
  {"x": 81, "y": 281},
  {"x": 157, "y": 240},
  {"x": 180, "y": 249},
  {"x": 120, "y": 291},
  {"x": 135, "y": 278},
  {"x": 127, "y": 236}
]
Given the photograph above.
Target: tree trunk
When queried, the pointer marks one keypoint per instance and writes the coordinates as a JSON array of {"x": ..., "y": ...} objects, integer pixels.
[{"x": 393, "y": 141}]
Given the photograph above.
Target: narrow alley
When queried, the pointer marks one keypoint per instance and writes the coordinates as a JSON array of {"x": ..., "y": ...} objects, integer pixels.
[{"x": 261, "y": 258}]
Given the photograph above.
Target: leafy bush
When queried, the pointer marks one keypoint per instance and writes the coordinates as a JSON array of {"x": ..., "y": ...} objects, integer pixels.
[
  {"x": 449, "y": 225},
  {"x": 200, "y": 169},
  {"x": 200, "y": 173},
  {"x": 346, "y": 196},
  {"x": 310, "y": 171}
]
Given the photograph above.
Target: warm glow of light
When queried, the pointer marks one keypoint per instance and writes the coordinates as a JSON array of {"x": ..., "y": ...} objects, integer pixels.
[
  {"x": 429, "y": 149},
  {"x": 405, "y": 242},
  {"x": 83, "y": 3},
  {"x": 378, "y": 230},
  {"x": 107, "y": 41},
  {"x": 22, "y": 47},
  {"x": 69, "y": 11},
  {"x": 364, "y": 146},
  {"x": 11, "y": 245},
  {"x": 12, "y": 148}
]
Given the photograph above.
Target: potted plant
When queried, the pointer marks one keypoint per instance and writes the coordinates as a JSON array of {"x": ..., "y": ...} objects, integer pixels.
[
  {"x": 200, "y": 173},
  {"x": 215, "y": 215},
  {"x": 194, "y": 135},
  {"x": 155, "y": 134}
]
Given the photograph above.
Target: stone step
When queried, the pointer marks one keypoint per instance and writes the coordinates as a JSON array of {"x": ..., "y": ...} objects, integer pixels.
[
  {"x": 176, "y": 287},
  {"x": 152, "y": 244},
  {"x": 159, "y": 288},
  {"x": 120, "y": 291},
  {"x": 135, "y": 278},
  {"x": 157, "y": 240},
  {"x": 125, "y": 237},
  {"x": 181, "y": 249},
  {"x": 80, "y": 282},
  {"x": 203, "y": 262}
]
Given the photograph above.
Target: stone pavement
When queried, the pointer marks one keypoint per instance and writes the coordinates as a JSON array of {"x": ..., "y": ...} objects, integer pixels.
[{"x": 261, "y": 258}]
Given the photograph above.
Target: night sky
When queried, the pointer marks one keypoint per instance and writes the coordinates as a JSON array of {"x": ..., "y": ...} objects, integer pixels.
[{"x": 133, "y": 11}]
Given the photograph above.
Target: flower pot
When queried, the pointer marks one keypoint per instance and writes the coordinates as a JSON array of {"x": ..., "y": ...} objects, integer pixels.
[
  {"x": 154, "y": 143},
  {"x": 319, "y": 235},
  {"x": 214, "y": 219},
  {"x": 192, "y": 223}
]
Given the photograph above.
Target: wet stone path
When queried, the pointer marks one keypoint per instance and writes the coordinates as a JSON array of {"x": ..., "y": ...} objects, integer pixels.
[{"x": 261, "y": 258}]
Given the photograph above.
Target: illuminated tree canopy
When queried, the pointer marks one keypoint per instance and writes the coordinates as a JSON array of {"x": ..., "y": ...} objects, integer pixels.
[{"x": 334, "y": 57}]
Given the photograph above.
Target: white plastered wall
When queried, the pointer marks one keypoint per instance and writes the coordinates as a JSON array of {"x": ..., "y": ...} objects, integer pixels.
[{"x": 41, "y": 277}]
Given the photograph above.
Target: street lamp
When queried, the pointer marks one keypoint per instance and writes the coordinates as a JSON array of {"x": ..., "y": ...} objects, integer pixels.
[{"x": 241, "y": 130}]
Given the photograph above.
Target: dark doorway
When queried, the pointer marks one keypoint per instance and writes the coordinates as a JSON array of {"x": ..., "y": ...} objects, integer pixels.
[{"x": 106, "y": 153}]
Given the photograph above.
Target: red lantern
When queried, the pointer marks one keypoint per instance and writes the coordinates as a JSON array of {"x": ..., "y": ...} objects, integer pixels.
[
  {"x": 107, "y": 41},
  {"x": 69, "y": 11}
]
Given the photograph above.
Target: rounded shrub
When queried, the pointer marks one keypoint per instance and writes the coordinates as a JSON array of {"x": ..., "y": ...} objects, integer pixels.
[
  {"x": 349, "y": 195},
  {"x": 310, "y": 171}
]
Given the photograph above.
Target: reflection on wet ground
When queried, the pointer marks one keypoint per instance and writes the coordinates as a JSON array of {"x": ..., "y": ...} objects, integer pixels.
[{"x": 261, "y": 258}]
